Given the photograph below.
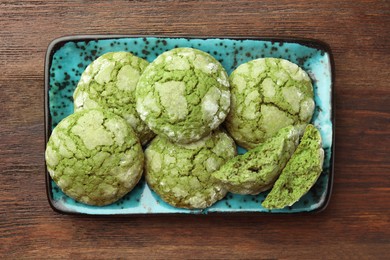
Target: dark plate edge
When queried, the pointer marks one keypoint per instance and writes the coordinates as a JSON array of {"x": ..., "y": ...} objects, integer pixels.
[
  {"x": 325, "y": 203},
  {"x": 59, "y": 42},
  {"x": 48, "y": 55}
]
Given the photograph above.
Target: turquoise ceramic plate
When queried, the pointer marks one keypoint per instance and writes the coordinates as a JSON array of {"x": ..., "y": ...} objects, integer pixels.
[{"x": 67, "y": 58}]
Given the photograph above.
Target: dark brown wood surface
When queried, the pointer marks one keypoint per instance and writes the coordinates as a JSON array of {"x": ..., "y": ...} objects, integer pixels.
[{"x": 356, "y": 222}]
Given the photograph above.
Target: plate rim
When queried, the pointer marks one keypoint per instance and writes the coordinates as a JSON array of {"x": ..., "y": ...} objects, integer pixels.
[{"x": 57, "y": 43}]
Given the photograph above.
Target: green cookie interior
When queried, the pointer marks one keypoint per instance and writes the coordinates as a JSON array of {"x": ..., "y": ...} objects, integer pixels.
[
  {"x": 257, "y": 170},
  {"x": 300, "y": 173}
]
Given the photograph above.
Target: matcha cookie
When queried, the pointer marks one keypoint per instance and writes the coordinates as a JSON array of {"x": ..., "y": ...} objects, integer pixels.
[
  {"x": 300, "y": 173},
  {"x": 267, "y": 95},
  {"x": 183, "y": 94},
  {"x": 257, "y": 170},
  {"x": 109, "y": 82},
  {"x": 181, "y": 173},
  {"x": 94, "y": 156}
]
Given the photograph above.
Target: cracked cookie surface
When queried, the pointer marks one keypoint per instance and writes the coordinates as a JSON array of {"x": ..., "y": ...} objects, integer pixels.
[
  {"x": 109, "y": 82},
  {"x": 181, "y": 173},
  {"x": 256, "y": 170},
  {"x": 183, "y": 94},
  {"x": 267, "y": 95},
  {"x": 301, "y": 171},
  {"x": 94, "y": 156}
]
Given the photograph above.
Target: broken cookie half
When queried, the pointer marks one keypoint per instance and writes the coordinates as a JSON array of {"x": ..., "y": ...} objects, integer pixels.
[
  {"x": 300, "y": 173},
  {"x": 257, "y": 170}
]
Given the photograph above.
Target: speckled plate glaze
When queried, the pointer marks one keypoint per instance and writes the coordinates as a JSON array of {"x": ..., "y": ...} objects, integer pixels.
[{"x": 67, "y": 58}]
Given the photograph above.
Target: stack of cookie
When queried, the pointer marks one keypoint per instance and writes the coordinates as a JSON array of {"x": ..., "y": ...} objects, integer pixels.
[
  {"x": 95, "y": 155},
  {"x": 184, "y": 96}
]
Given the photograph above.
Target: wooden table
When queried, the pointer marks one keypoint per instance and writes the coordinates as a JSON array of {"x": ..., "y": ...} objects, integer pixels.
[{"x": 356, "y": 223}]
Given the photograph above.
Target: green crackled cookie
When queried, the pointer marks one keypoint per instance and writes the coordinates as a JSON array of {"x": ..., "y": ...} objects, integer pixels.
[
  {"x": 267, "y": 95},
  {"x": 257, "y": 170},
  {"x": 181, "y": 173},
  {"x": 94, "y": 156},
  {"x": 300, "y": 173},
  {"x": 109, "y": 82},
  {"x": 183, "y": 94}
]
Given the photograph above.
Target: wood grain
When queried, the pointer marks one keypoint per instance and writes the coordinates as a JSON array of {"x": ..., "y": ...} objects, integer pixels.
[{"x": 356, "y": 223}]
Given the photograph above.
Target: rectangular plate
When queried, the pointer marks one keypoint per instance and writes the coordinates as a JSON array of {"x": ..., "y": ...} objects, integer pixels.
[{"x": 67, "y": 57}]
